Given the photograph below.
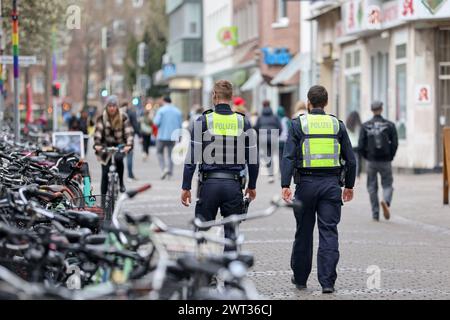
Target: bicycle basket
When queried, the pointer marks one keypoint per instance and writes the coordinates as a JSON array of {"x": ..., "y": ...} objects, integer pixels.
[
  {"x": 98, "y": 204},
  {"x": 178, "y": 246}
]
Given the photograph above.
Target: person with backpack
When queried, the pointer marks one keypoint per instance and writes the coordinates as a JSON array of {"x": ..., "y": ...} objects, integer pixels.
[{"x": 378, "y": 143}]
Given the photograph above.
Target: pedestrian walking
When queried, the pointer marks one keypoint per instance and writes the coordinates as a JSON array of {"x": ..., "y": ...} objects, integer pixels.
[
  {"x": 130, "y": 111},
  {"x": 284, "y": 133},
  {"x": 316, "y": 145},
  {"x": 354, "y": 124},
  {"x": 220, "y": 181},
  {"x": 146, "y": 124},
  {"x": 378, "y": 143},
  {"x": 268, "y": 126},
  {"x": 168, "y": 119},
  {"x": 113, "y": 128}
]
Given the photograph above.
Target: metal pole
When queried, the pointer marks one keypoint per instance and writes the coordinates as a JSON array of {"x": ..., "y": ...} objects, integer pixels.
[{"x": 15, "y": 41}]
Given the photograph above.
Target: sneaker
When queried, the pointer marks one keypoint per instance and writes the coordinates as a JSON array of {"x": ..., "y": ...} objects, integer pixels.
[
  {"x": 328, "y": 290},
  {"x": 298, "y": 286},
  {"x": 164, "y": 175},
  {"x": 386, "y": 211}
]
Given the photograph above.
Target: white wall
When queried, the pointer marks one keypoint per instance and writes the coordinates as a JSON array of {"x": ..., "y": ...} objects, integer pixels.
[{"x": 216, "y": 15}]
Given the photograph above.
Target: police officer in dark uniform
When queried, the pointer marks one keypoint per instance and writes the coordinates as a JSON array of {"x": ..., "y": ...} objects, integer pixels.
[
  {"x": 222, "y": 143},
  {"x": 318, "y": 153}
]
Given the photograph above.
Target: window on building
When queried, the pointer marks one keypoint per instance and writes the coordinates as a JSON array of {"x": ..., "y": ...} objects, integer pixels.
[
  {"x": 353, "y": 81},
  {"x": 39, "y": 83},
  {"x": 401, "y": 90},
  {"x": 119, "y": 56},
  {"x": 281, "y": 9},
  {"x": 193, "y": 19},
  {"x": 120, "y": 28},
  {"x": 353, "y": 92}
]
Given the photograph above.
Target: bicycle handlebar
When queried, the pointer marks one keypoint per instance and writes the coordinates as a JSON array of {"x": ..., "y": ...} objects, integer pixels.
[
  {"x": 198, "y": 236},
  {"x": 235, "y": 219}
]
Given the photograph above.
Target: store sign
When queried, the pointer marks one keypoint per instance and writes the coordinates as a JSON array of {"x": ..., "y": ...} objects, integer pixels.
[
  {"x": 424, "y": 9},
  {"x": 169, "y": 70},
  {"x": 373, "y": 17},
  {"x": 362, "y": 15},
  {"x": 277, "y": 56},
  {"x": 353, "y": 14},
  {"x": 228, "y": 36},
  {"x": 423, "y": 94}
]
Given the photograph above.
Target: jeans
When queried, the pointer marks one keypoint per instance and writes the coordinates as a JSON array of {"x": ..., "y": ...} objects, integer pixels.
[
  {"x": 130, "y": 164},
  {"x": 162, "y": 145},
  {"x": 146, "y": 140},
  {"x": 384, "y": 168}
]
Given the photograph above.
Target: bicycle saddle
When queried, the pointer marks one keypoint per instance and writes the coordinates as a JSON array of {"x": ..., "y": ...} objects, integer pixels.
[{"x": 85, "y": 219}]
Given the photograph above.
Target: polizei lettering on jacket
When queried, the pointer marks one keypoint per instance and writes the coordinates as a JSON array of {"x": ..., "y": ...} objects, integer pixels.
[
  {"x": 225, "y": 126},
  {"x": 321, "y": 125}
]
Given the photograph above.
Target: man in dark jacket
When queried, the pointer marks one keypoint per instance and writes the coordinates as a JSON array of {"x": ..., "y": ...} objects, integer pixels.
[
  {"x": 378, "y": 143},
  {"x": 267, "y": 126}
]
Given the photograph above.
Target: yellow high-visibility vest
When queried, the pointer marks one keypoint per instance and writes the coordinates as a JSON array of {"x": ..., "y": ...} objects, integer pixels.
[
  {"x": 321, "y": 147},
  {"x": 225, "y": 125}
]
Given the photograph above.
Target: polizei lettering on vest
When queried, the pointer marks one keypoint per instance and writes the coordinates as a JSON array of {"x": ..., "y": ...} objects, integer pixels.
[
  {"x": 321, "y": 125},
  {"x": 225, "y": 126}
]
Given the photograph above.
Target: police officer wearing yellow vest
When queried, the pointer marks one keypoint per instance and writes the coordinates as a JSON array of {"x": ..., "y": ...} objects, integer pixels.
[
  {"x": 317, "y": 154},
  {"x": 222, "y": 143}
]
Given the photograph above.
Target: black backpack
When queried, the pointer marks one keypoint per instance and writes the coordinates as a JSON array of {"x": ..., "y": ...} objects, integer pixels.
[{"x": 378, "y": 141}]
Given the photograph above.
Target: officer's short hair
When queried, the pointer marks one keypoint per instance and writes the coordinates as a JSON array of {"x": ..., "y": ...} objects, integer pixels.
[
  {"x": 223, "y": 90},
  {"x": 318, "y": 96}
]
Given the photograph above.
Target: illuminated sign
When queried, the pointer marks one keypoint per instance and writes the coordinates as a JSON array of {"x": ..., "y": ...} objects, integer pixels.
[
  {"x": 277, "y": 56},
  {"x": 228, "y": 36}
]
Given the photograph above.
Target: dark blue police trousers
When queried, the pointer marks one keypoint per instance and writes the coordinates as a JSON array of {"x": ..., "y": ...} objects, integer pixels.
[
  {"x": 222, "y": 194},
  {"x": 321, "y": 195}
]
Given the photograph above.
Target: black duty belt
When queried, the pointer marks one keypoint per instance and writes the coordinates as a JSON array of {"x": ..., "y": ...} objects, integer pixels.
[{"x": 220, "y": 175}]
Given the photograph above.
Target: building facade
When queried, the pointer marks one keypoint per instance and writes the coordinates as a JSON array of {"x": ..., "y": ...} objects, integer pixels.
[
  {"x": 394, "y": 51},
  {"x": 218, "y": 42},
  {"x": 183, "y": 62}
]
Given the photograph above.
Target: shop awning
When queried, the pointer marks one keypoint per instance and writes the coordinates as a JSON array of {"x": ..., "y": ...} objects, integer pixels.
[
  {"x": 254, "y": 81},
  {"x": 289, "y": 70}
]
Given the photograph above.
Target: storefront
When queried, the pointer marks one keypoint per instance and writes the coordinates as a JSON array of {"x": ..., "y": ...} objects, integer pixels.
[{"x": 398, "y": 52}]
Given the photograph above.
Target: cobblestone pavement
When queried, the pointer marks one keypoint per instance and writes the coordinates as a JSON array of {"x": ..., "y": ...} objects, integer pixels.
[{"x": 411, "y": 252}]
